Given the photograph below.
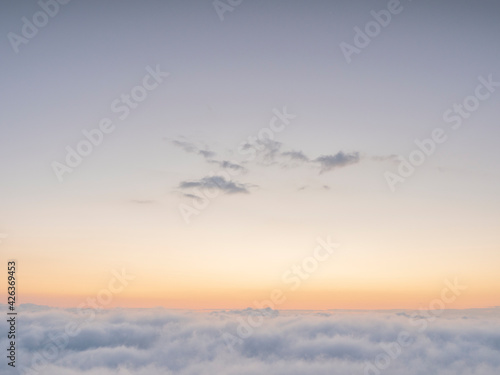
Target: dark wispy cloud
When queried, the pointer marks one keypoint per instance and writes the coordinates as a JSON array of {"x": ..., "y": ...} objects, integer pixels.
[
  {"x": 192, "y": 196},
  {"x": 218, "y": 183},
  {"x": 191, "y": 148},
  {"x": 267, "y": 151},
  {"x": 293, "y": 159},
  {"x": 229, "y": 165},
  {"x": 296, "y": 155},
  {"x": 270, "y": 152},
  {"x": 207, "y": 154},
  {"x": 340, "y": 159}
]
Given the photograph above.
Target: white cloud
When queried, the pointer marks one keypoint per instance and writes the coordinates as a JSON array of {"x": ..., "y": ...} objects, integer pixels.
[{"x": 158, "y": 341}]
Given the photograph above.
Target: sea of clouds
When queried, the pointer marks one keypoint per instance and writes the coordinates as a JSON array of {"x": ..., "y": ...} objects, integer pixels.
[{"x": 159, "y": 341}]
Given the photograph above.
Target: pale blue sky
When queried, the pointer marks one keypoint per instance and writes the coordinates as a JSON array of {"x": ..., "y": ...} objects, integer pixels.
[{"x": 226, "y": 77}]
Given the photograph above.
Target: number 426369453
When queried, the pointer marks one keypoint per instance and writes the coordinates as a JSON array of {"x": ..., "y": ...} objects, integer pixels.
[{"x": 11, "y": 270}]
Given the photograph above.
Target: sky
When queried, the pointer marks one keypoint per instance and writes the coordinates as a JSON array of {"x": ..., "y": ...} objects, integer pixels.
[{"x": 230, "y": 140}]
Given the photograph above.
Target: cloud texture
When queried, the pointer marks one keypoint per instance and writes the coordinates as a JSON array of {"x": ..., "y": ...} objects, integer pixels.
[{"x": 158, "y": 341}]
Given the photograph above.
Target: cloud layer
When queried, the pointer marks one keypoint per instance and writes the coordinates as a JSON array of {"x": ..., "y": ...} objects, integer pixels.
[{"x": 158, "y": 341}]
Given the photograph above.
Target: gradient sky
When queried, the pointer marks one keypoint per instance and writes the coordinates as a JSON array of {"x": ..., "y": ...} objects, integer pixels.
[{"x": 120, "y": 207}]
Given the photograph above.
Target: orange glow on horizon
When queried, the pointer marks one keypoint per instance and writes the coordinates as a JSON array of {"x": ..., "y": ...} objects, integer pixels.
[{"x": 299, "y": 300}]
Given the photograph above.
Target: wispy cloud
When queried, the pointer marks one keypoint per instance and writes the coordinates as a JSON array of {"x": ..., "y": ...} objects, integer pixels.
[
  {"x": 228, "y": 165},
  {"x": 339, "y": 160},
  {"x": 296, "y": 155},
  {"x": 265, "y": 153},
  {"x": 268, "y": 151},
  {"x": 191, "y": 148},
  {"x": 207, "y": 154},
  {"x": 218, "y": 183}
]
